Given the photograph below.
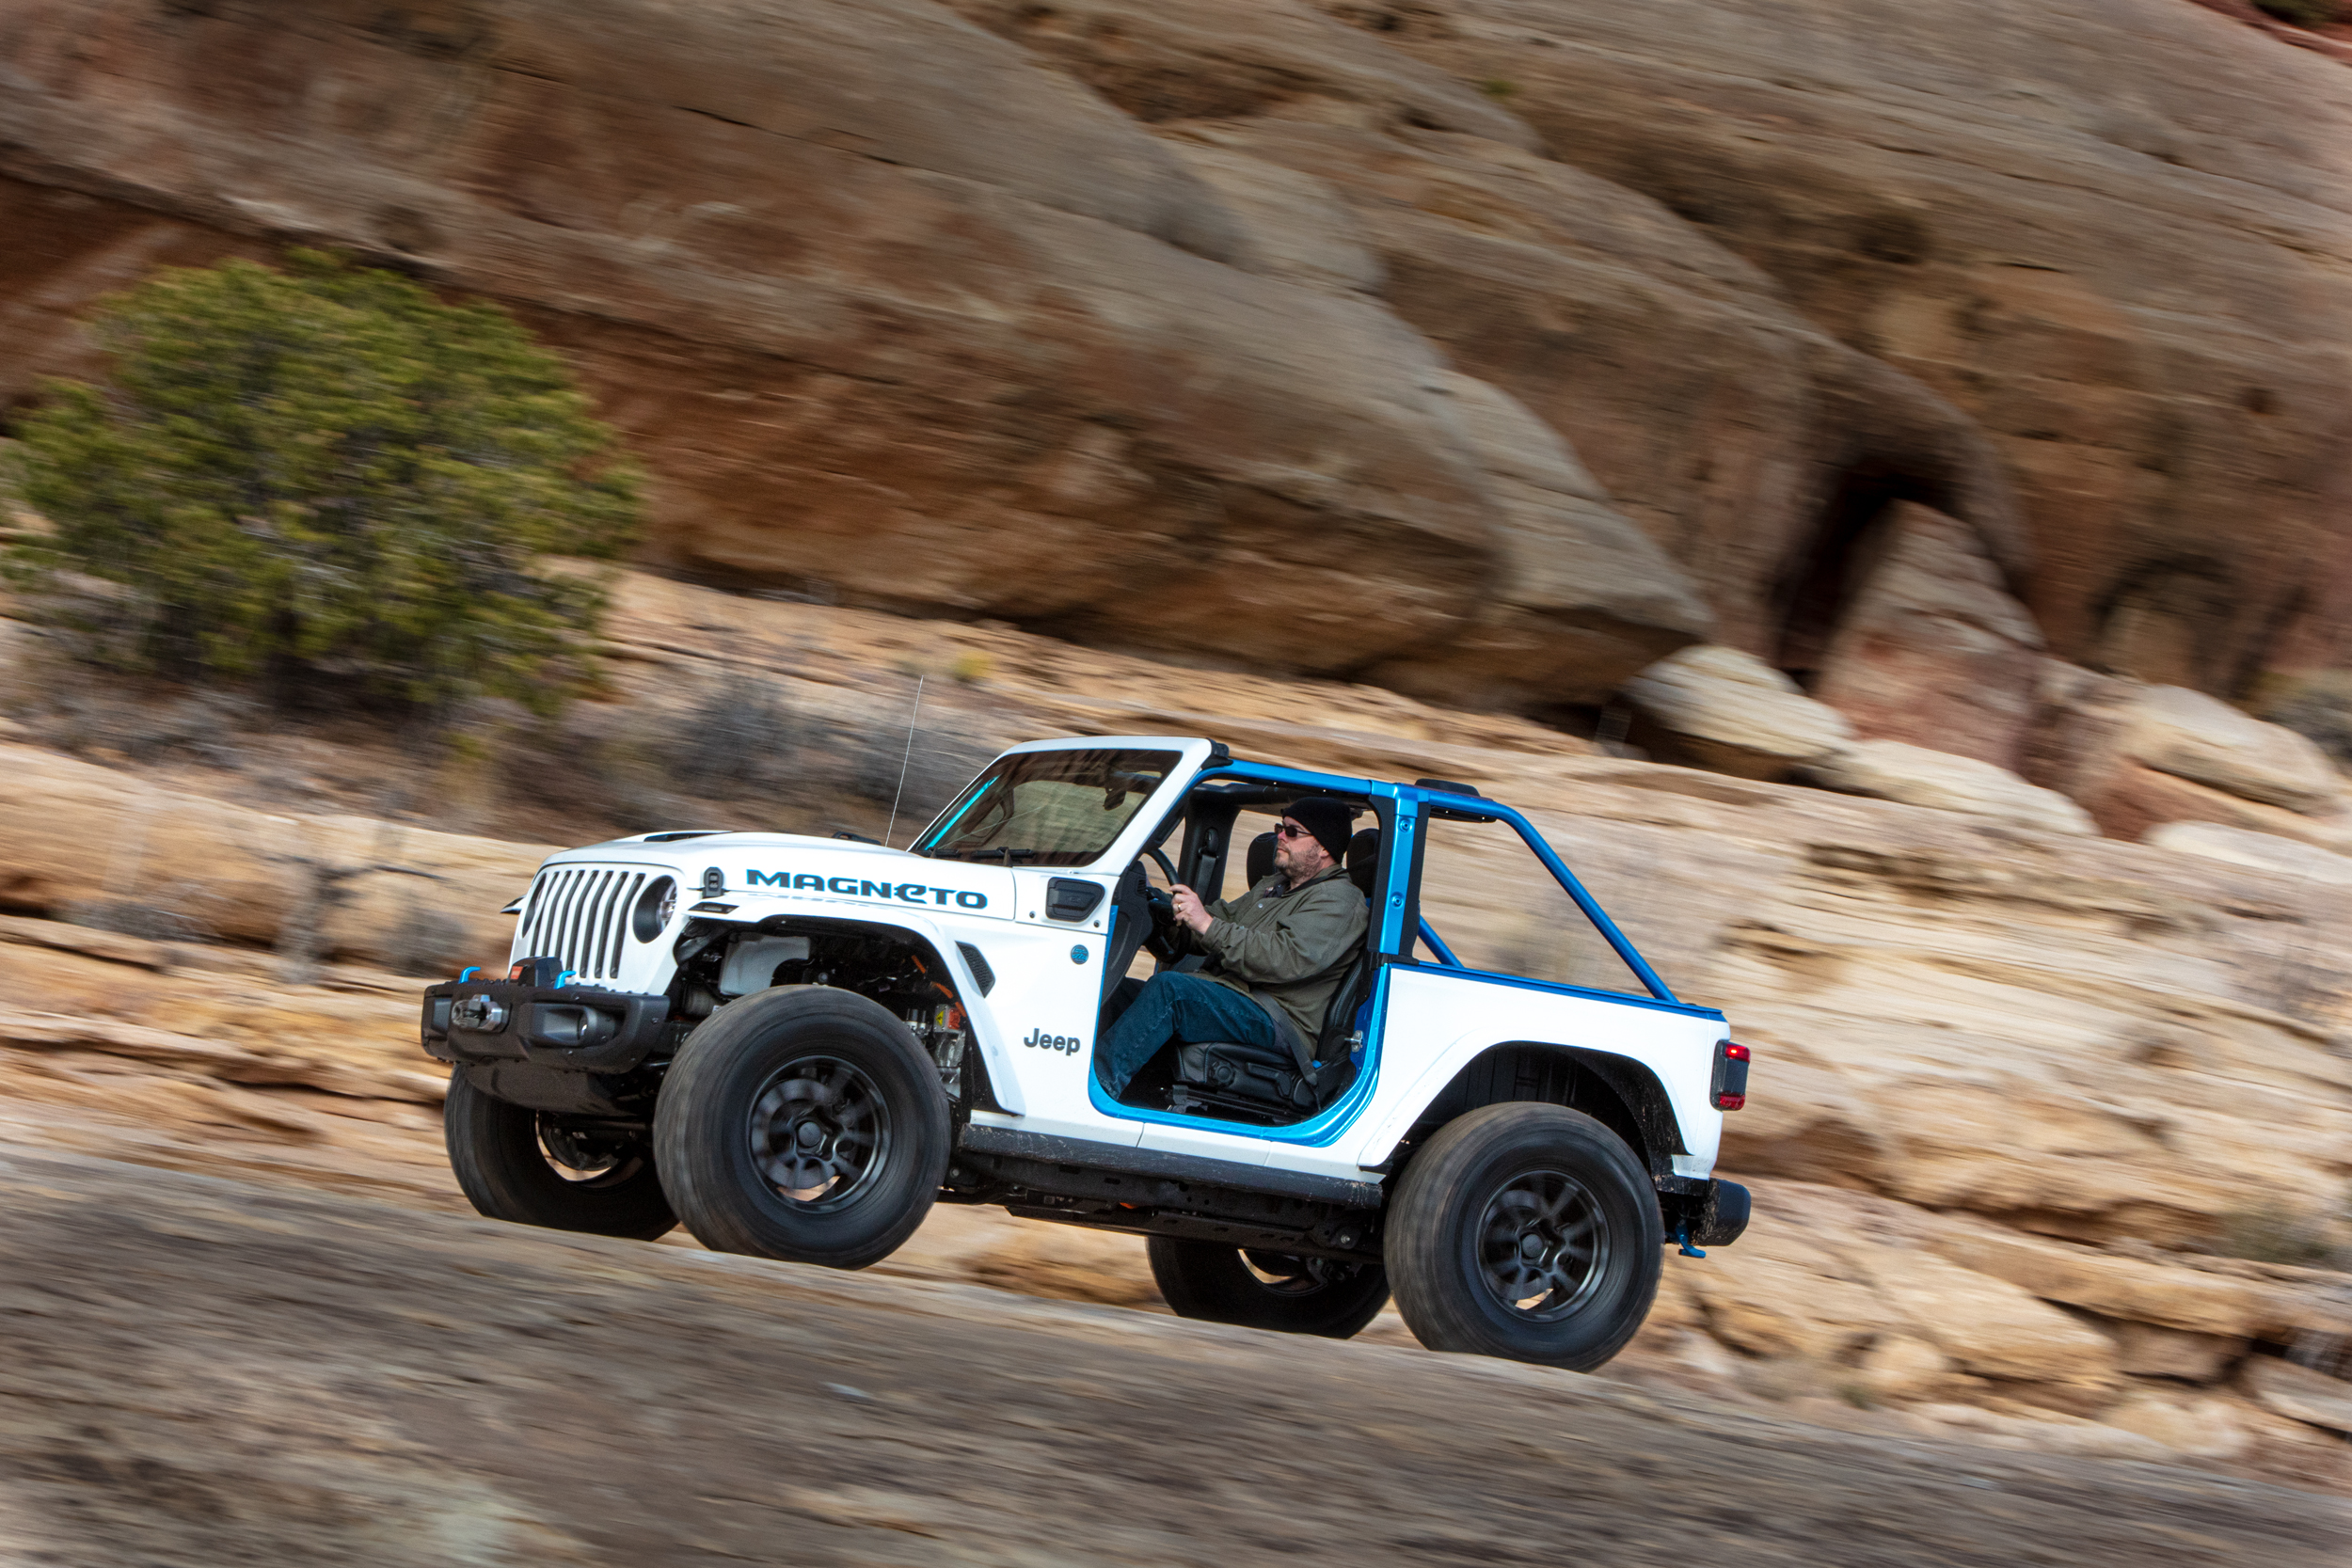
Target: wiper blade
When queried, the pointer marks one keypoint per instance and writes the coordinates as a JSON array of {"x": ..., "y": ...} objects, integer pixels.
[{"x": 1004, "y": 852}]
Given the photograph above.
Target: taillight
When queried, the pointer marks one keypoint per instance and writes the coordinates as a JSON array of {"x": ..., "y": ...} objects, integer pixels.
[{"x": 1731, "y": 1076}]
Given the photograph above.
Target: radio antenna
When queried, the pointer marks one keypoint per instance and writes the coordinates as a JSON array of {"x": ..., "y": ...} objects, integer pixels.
[{"x": 903, "y": 761}]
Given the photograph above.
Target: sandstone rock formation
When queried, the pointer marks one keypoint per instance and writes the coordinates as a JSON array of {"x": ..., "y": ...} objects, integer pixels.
[
  {"x": 895, "y": 313},
  {"x": 1721, "y": 708},
  {"x": 1917, "y": 776},
  {"x": 2138, "y": 756},
  {"x": 2113, "y": 233},
  {"x": 2247, "y": 848},
  {"x": 1930, "y": 648}
]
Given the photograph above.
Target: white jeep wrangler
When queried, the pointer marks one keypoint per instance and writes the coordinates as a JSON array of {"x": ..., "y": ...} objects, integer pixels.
[{"x": 797, "y": 1045}]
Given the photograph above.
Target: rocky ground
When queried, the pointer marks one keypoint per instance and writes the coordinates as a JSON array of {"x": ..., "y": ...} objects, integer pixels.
[
  {"x": 2050, "y": 1132},
  {"x": 204, "y": 1371}
]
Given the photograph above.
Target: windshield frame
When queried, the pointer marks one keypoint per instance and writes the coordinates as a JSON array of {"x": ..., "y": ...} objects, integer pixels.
[{"x": 1172, "y": 759}]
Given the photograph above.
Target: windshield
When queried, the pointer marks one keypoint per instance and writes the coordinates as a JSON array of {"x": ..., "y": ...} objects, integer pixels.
[{"x": 1048, "y": 808}]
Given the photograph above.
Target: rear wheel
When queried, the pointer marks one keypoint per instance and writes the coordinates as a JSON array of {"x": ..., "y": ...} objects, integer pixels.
[
  {"x": 803, "y": 1123},
  {"x": 1267, "y": 1290},
  {"x": 1525, "y": 1231},
  {"x": 535, "y": 1168}
]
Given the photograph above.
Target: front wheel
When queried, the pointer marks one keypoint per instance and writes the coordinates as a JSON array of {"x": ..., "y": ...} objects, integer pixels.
[
  {"x": 534, "y": 1168},
  {"x": 803, "y": 1123},
  {"x": 1267, "y": 1290},
  {"x": 1525, "y": 1231}
]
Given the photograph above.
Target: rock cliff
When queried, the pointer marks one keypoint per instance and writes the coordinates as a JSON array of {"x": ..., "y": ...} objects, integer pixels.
[{"x": 1489, "y": 349}]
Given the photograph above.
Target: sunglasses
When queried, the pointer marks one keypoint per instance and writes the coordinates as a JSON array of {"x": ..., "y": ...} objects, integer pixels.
[{"x": 1291, "y": 829}]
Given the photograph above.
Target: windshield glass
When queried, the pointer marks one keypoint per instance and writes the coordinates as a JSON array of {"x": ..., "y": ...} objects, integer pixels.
[{"x": 1047, "y": 808}]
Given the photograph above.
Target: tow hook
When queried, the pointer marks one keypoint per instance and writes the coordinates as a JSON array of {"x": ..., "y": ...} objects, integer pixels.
[
  {"x": 478, "y": 1013},
  {"x": 1682, "y": 1240}
]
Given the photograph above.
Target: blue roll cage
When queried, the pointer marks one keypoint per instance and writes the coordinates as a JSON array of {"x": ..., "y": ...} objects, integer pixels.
[{"x": 1412, "y": 805}]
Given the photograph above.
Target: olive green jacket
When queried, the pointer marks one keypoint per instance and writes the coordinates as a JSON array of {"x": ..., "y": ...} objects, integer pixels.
[{"x": 1287, "y": 951}]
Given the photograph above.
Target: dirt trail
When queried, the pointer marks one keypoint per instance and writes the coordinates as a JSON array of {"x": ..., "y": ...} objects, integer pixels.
[{"x": 204, "y": 1371}]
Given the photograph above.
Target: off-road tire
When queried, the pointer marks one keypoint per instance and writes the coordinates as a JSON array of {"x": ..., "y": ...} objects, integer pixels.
[
  {"x": 1475, "y": 1195},
  {"x": 744, "y": 1082},
  {"x": 1214, "y": 1283},
  {"x": 495, "y": 1151}
]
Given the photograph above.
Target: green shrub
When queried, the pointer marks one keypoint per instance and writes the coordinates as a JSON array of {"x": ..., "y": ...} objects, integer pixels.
[
  {"x": 2304, "y": 13},
  {"x": 326, "y": 482}
]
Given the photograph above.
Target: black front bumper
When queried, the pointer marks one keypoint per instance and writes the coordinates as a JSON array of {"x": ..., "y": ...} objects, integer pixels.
[{"x": 552, "y": 1048}]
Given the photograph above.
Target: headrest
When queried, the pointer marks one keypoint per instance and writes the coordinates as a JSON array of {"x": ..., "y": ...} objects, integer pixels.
[
  {"x": 1260, "y": 864},
  {"x": 1363, "y": 859}
]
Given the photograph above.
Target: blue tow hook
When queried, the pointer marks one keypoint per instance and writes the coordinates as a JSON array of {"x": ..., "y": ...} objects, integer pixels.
[
  {"x": 467, "y": 972},
  {"x": 1682, "y": 1240}
]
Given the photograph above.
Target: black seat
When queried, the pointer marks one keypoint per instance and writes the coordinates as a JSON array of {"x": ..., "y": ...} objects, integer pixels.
[{"x": 1238, "y": 1082}]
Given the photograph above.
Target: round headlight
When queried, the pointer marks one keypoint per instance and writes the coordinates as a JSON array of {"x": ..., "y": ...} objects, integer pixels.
[{"x": 655, "y": 906}]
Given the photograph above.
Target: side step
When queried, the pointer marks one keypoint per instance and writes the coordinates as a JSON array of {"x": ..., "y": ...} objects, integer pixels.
[{"x": 1127, "y": 1161}]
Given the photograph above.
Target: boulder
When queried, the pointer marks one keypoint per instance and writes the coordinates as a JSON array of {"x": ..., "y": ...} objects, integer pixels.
[
  {"x": 1992, "y": 1328},
  {"x": 1904, "y": 1368},
  {"x": 2131, "y": 801},
  {"x": 2144, "y": 1350},
  {"x": 2193, "y": 737},
  {"x": 1931, "y": 648},
  {"x": 1718, "y": 708},
  {"x": 2212, "y": 1426},
  {"x": 1584, "y": 600},
  {"x": 2300, "y": 1394},
  {"x": 2248, "y": 847},
  {"x": 1894, "y": 770},
  {"x": 1787, "y": 1296},
  {"x": 2224, "y": 1305}
]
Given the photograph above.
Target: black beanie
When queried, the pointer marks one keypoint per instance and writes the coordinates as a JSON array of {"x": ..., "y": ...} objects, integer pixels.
[{"x": 1328, "y": 819}]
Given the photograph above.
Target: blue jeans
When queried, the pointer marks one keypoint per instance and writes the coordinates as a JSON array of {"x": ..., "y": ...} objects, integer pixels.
[{"x": 1184, "y": 1008}]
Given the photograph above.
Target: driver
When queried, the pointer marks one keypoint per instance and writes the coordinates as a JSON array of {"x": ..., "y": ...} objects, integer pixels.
[{"x": 1276, "y": 953}]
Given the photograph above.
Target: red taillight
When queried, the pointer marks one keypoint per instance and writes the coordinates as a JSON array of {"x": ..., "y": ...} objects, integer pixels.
[{"x": 1731, "y": 1076}]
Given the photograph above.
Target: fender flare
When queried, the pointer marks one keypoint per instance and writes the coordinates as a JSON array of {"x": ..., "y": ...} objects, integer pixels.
[
  {"x": 1631, "y": 1080},
  {"x": 753, "y": 912}
]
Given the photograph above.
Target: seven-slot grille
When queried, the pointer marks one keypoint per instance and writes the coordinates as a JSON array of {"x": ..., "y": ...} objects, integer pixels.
[{"x": 580, "y": 913}]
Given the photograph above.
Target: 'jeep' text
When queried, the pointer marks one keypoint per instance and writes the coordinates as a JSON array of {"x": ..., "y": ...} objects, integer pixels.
[{"x": 1044, "y": 1042}]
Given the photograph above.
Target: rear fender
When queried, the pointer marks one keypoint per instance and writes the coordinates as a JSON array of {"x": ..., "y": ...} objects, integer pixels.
[{"x": 1629, "y": 1094}]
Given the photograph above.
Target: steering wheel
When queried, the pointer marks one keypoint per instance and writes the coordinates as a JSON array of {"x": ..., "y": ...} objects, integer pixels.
[{"x": 1161, "y": 943}]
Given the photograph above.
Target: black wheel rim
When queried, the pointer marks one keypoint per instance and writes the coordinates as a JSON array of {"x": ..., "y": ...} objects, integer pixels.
[
  {"x": 820, "y": 1133},
  {"x": 586, "y": 1158},
  {"x": 1284, "y": 1273},
  {"x": 1543, "y": 1246}
]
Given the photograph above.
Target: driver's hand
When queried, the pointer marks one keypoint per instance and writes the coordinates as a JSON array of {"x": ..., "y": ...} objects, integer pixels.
[{"x": 1189, "y": 912}]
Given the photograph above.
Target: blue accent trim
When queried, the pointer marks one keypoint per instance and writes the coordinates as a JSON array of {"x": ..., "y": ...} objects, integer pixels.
[
  {"x": 1623, "y": 999},
  {"x": 1566, "y": 879},
  {"x": 1397, "y": 852},
  {"x": 1324, "y": 1129},
  {"x": 1445, "y": 954},
  {"x": 947, "y": 826}
]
